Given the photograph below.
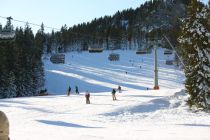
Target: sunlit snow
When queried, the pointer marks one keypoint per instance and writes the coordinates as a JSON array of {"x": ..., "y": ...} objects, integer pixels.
[{"x": 139, "y": 113}]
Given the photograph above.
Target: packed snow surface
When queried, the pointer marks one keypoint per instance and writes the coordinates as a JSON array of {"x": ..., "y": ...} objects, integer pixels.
[{"x": 139, "y": 113}]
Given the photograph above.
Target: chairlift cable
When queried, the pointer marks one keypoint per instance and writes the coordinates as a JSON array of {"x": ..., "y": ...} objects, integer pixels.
[
  {"x": 34, "y": 24},
  {"x": 53, "y": 28},
  {"x": 174, "y": 50}
]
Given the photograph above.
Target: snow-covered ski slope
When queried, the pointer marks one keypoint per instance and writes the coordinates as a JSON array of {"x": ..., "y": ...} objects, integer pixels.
[
  {"x": 94, "y": 72},
  {"x": 138, "y": 113}
]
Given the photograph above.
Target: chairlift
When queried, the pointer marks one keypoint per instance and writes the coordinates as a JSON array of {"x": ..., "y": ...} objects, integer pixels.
[
  {"x": 168, "y": 52},
  {"x": 57, "y": 58},
  {"x": 142, "y": 51},
  {"x": 95, "y": 50},
  {"x": 169, "y": 61},
  {"x": 114, "y": 57},
  {"x": 7, "y": 33}
]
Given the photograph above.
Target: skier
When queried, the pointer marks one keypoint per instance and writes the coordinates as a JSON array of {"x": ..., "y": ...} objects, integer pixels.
[
  {"x": 119, "y": 89},
  {"x": 87, "y": 96},
  {"x": 69, "y": 91},
  {"x": 113, "y": 94},
  {"x": 76, "y": 90},
  {"x": 4, "y": 126}
]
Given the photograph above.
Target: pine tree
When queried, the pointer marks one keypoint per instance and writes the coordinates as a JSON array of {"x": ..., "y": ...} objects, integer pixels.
[
  {"x": 195, "y": 46},
  {"x": 64, "y": 37},
  {"x": 40, "y": 40},
  {"x": 10, "y": 90},
  {"x": 21, "y": 67},
  {"x": 7, "y": 61},
  {"x": 29, "y": 56},
  {"x": 38, "y": 70}
]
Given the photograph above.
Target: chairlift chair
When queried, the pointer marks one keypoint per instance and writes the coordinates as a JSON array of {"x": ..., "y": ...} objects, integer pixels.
[
  {"x": 142, "y": 51},
  {"x": 168, "y": 52},
  {"x": 95, "y": 50},
  {"x": 114, "y": 57},
  {"x": 7, "y": 33},
  {"x": 169, "y": 61},
  {"x": 57, "y": 58}
]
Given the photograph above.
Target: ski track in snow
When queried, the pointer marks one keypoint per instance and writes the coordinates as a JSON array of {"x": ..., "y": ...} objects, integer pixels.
[{"x": 137, "y": 114}]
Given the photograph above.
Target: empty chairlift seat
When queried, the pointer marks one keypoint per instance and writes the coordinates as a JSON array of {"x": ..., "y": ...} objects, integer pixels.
[
  {"x": 114, "y": 57},
  {"x": 141, "y": 52},
  {"x": 57, "y": 58},
  {"x": 95, "y": 50},
  {"x": 168, "y": 52}
]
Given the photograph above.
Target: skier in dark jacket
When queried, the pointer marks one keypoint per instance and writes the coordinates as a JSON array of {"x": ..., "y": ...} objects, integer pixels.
[
  {"x": 69, "y": 91},
  {"x": 76, "y": 90},
  {"x": 113, "y": 94}
]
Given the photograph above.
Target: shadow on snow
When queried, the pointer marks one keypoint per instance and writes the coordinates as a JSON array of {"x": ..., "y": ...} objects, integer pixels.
[
  {"x": 198, "y": 125},
  {"x": 64, "y": 124},
  {"x": 151, "y": 106}
]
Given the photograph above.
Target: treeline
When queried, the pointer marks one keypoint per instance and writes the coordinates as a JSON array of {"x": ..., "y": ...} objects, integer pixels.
[
  {"x": 21, "y": 67},
  {"x": 127, "y": 29}
]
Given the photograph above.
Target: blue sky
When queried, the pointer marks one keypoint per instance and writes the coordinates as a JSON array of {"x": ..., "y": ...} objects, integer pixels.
[{"x": 56, "y": 13}]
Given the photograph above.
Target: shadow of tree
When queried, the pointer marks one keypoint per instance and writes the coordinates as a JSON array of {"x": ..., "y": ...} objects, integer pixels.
[
  {"x": 198, "y": 125},
  {"x": 151, "y": 106},
  {"x": 9, "y": 101},
  {"x": 64, "y": 124}
]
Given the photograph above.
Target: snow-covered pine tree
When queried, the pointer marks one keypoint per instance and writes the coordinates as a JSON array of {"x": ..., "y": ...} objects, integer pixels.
[
  {"x": 38, "y": 74},
  {"x": 194, "y": 40},
  {"x": 10, "y": 90},
  {"x": 8, "y": 87}
]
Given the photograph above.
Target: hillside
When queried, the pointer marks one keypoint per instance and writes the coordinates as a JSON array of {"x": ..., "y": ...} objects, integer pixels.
[
  {"x": 130, "y": 28},
  {"x": 137, "y": 114},
  {"x": 94, "y": 72}
]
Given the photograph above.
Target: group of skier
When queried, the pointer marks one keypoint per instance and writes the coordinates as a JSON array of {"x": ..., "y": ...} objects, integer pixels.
[
  {"x": 69, "y": 90},
  {"x": 87, "y": 93}
]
